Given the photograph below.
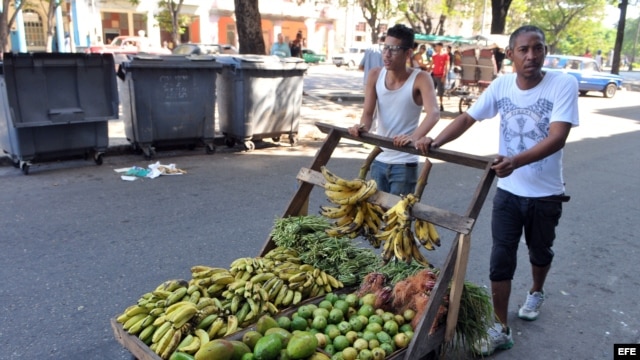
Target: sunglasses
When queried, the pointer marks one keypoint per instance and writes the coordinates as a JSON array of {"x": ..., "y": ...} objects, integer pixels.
[{"x": 393, "y": 49}]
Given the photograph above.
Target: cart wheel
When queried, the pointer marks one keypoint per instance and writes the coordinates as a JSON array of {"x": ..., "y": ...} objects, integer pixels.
[
  {"x": 210, "y": 149},
  {"x": 293, "y": 140},
  {"x": 276, "y": 139},
  {"x": 25, "y": 168},
  {"x": 249, "y": 145},
  {"x": 229, "y": 141},
  {"x": 97, "y": 157},
  {"x": 464, "y": 105}
]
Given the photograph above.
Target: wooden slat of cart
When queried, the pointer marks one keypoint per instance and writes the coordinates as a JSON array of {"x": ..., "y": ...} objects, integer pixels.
[
  {"x": 132, "y": 343},
  {"x": 454, "y": 268}
]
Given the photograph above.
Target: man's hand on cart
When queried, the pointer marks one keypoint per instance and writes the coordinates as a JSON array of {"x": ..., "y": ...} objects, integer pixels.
[
  {"x": 356, "y": 129},
  {"x": 423, "y": 144},
  {"x": 503, "y": 166}
]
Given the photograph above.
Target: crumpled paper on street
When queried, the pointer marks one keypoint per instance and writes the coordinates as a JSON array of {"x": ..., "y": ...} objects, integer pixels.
[{"x": 152, "y": 172}]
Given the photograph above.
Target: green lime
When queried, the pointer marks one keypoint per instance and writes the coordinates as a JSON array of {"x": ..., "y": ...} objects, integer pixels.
[
  {"x": 369, "y": 335},
  {"x": 321, "y": 312},
  {"x": 325, "y": 304},
  {"x": 390, "y": 327},
  {"x": 342, "y": 305},
  {"x": 374, "y": 327},
  {"x": 344, "y": 327},
  {"x": 335, "y": 316},
  {"x": 332, "y": 331},
  {"x": 383, "y": 337},
  {"x": 331, "y": 297},
  {"x": 366, "y": 310},
  {"x": 284, "y": 322},
  {"x": 352, "y": 300},
  {"x": 299, "y": 323},
  {"x": 340, "y": 342},
  {"x": 376, "y": 319},
  {"x": 305, "y": 312},
  {"x": 356, "y": 323},
  {"x": 319, "y": 323}
]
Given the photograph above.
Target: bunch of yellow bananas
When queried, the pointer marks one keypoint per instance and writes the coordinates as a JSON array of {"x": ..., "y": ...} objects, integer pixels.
[
  {"x": 217, "y": 302},
  {"x": 399, "y": 240},
  {"x": 426, "y": 234},
  {"x": 353, "y": 214}
]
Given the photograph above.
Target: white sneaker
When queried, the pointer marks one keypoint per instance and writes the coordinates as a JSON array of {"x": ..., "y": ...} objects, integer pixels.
[
  {"x": 531, "y": 308},
  {"x": 497, "y": 339}
]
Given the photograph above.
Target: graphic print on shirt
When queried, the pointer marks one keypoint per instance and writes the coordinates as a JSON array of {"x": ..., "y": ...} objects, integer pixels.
[{"x": 522, "y": 128}]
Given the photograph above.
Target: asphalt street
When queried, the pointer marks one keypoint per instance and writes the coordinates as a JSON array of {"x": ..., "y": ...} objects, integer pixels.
[{"x": 79, "y": 244}]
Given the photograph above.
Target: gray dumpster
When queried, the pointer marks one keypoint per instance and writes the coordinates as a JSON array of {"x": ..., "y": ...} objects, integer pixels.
[
  {"x": 259, "y": 97},
  {"x": 170, "y": 100},
  {"x": 55, "y": 105}
]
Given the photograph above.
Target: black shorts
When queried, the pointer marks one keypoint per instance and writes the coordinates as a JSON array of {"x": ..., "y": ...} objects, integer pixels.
[
  {"x": 512, "y": 214},
  {"x": 438, "y": 84}
]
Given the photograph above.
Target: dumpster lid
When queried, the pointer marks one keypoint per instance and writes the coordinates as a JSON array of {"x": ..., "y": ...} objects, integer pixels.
[
  {"x": 171, "y": 61},
  {"x": 266, "y": 62}
]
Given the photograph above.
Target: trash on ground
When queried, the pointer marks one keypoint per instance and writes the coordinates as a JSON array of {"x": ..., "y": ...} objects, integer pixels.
[{"x": 152, "y": 172}]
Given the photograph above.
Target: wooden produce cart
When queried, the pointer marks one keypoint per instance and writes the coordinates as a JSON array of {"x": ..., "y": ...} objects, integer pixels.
[
  {"x": 455, "y": 265},
  {"x": 453, "y": 270}
]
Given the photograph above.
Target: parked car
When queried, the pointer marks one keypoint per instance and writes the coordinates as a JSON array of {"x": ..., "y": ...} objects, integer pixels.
[
  {"x": 203, "y": 49},
  {"x": 351, "y": 58},
  {"x": 312, "y": 57},
  {"x": 128, "y": 45},
  {"x": 588, "y": 73}
]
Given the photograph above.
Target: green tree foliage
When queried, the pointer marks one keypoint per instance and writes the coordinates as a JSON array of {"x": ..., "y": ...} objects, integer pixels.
[
  {"x": 374, "y": 12},
  {"x": 430, "y": 16},
  {"x": 169, "y": 18}
]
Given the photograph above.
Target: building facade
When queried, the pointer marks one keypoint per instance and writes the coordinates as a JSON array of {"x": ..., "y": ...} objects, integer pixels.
[{"x": 326, "y": 28}]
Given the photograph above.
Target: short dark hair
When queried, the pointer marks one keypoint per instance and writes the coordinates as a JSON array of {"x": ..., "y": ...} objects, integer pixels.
[
  {"x": 404, "y": 33},
  {"x": 525, "y": 29}
]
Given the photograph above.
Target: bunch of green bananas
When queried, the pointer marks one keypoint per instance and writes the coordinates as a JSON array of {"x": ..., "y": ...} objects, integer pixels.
[
  {"x": 353, "y": 214},
  {"x": 399, "y": 240}
]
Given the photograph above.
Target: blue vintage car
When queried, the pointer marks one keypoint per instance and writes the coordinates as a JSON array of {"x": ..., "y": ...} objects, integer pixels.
[{"x": 586, "y": 70}]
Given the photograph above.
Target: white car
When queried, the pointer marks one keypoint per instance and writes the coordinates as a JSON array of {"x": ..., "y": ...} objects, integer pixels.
[{"x": 351, "y": 58}]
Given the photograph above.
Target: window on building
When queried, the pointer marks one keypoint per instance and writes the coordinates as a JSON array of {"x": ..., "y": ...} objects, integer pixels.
[
  {"x": 33, "y": 28},
  {"x": 139, "y": 23},
  {"x": 361, "y": 26}
]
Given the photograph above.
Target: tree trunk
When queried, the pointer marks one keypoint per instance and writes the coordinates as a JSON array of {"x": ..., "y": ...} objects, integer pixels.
[
  {"x": 5, "y": 24},
  {"x": 248, "y": 23},
  {"x": 174, "y": 10},
  {"x": 615, "y": 65},
  {"x": 499, "y": 10},
  {"x": 51, "y": 14}
]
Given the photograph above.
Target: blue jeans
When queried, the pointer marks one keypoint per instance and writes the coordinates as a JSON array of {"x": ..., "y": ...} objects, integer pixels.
[
  {"x": 397, "y": 179},
  {"x": 511, "y": 215}
]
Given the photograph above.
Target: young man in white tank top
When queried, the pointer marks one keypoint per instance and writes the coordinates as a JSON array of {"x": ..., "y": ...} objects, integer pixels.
[{"x": 400, "y": 94}]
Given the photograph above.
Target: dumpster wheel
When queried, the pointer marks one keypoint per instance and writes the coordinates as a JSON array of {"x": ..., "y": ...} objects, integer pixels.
[
  {"x": 24, "y": 166},
  {"x": 210, "y": 149},
  {"x": 276, "y": 139},
  {"x": 249, "y": 145},
  {"x": 229, "y": 141},
  {"x": 97, "y": 157}
]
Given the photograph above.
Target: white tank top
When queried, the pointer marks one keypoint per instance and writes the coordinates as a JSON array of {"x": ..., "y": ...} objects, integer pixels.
[{"x": 398, "y": 114}]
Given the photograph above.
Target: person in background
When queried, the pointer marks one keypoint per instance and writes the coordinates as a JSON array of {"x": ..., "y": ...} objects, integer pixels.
[
  {"x": 400, "y": 93},
  {"x": 537, "y": 110},
  {"x": 296, "y": 45},
  {"x": 587, "y": 53},
  {"x": 417, "y": 59},
  {"x": 599, "y": 58},
  {"x": 439, "y": 71},
  {"x": 372, "y": 58},
  {"x": 498, "y": 55},
  {"x": 280, "y": 48}
]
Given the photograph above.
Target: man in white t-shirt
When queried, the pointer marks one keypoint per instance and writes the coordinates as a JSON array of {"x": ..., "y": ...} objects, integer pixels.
[{"x": 537, "y": 110}]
